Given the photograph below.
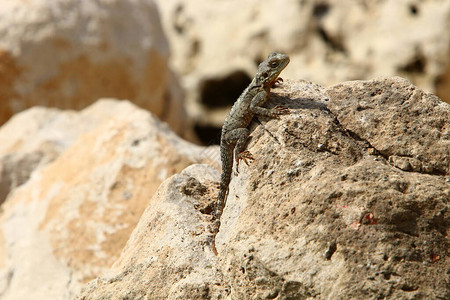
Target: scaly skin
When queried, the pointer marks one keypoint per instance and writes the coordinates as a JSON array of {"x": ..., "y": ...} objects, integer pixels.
[{"x": 234, "y": 129}]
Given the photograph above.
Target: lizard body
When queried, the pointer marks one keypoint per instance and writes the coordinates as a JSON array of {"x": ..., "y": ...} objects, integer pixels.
[{"x": 234, "y": 130}]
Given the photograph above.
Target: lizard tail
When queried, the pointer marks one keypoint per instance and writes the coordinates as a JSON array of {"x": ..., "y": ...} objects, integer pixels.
[
  {"x": 226, "y": 155},
  {"x": 227, "y": 167}
]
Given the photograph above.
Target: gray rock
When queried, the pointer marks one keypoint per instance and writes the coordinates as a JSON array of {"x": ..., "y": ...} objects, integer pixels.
[{"x": 347, "y": 224}]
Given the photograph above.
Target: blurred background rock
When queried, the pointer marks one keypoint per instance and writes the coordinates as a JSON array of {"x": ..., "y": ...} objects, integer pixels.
[
  {"x": 188, "y": 61},
  {"x": 68, "y": 54},
  {"x": 217, "y": 45}
]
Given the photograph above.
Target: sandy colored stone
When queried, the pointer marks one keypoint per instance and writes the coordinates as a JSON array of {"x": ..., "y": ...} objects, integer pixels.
[
  {"x": 409, "y": 127},
  {"x": 37, "y": 136},
  {"x": 168, "y": 254},
  {"x": 217, "y": 45},
  {"x": 319, "y": 214},
  {"x": 68, "y": 54},
  {"x": 69, "y": 222}
]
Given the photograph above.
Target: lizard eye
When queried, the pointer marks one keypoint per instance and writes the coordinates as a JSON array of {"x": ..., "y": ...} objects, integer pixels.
[{"x": 274, "y": 64}]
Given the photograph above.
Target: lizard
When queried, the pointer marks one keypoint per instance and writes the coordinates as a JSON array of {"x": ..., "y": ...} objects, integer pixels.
[{"x": 234, "y": 130}]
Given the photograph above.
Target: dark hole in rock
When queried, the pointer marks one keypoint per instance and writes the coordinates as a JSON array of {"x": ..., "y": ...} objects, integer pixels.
[
  {"x": 320, "y": 9},
  {"x": 413, "y": 9},
  {"x": 333, "y": 43},
  {"x": 222, "y": 92},
  {"x": 177, "y": 25},
  {"x": 208, "y": 135},
  {"x": 416, "y": 65}
]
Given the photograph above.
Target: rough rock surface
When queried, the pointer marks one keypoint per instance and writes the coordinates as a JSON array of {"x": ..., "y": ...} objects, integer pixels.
[
  {"x": 328, "y": 42},
  {"x": 69, "y": 53},
  {"x": 69, "y": 222},
  {"x": 407, "y": 126},
  {"x": 322, "y": 213},
  {"x": 168, "y": 255}
]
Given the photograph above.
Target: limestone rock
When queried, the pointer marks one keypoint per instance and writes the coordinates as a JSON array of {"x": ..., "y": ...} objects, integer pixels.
[
  {"x": 37, "y": 136},
  {"x": 68, "y": 54},
  {"x": 168, "y": 255},
  {"x": 408, "y": 126},
  {"x": 328, "y": 42},
  {"x": 320, "y": 214},
  {"x": 69, "y": 222}
]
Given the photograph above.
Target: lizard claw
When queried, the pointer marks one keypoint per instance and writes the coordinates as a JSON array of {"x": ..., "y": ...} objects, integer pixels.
[
  {"x": 278, "y": 81},
  {"x": 246, "y": 156},
  {"x": 280, "y": 110}
]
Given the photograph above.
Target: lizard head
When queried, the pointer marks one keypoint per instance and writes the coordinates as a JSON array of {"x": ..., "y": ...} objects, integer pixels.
[{"x": 269, "y": 69}]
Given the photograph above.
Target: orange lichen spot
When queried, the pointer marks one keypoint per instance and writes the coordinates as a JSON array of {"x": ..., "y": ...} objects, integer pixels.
[{"x": 434, "y": 258}]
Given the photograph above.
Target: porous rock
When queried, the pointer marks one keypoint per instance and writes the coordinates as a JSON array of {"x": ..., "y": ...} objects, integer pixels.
[
  {"x": 69, "y": 222},
  {"x": 321, "y": 213},
  {"x": 328, "y": 41}
]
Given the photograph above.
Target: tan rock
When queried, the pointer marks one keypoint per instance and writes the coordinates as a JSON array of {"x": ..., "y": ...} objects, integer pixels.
[
  {"x": 68, "y": 54},
  {"x": 406, "y": 125},
  {"x": 37, "y": 136},
  {"x": 218, "y": 44},
  {"x": 168, "y": 255},
  {"x": 69, "y": 222},
  {"x": 319, "y": 214}
]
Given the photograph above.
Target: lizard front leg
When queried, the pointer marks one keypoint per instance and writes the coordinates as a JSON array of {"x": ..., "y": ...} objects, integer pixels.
[{"x": 259, "y": 100}]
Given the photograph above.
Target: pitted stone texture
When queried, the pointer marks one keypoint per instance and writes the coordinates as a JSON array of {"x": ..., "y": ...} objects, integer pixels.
[
  {"x": 319, "y": 214},
  {"x": 69, "y": 222},
  {"x": 328, "y": 42}
]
